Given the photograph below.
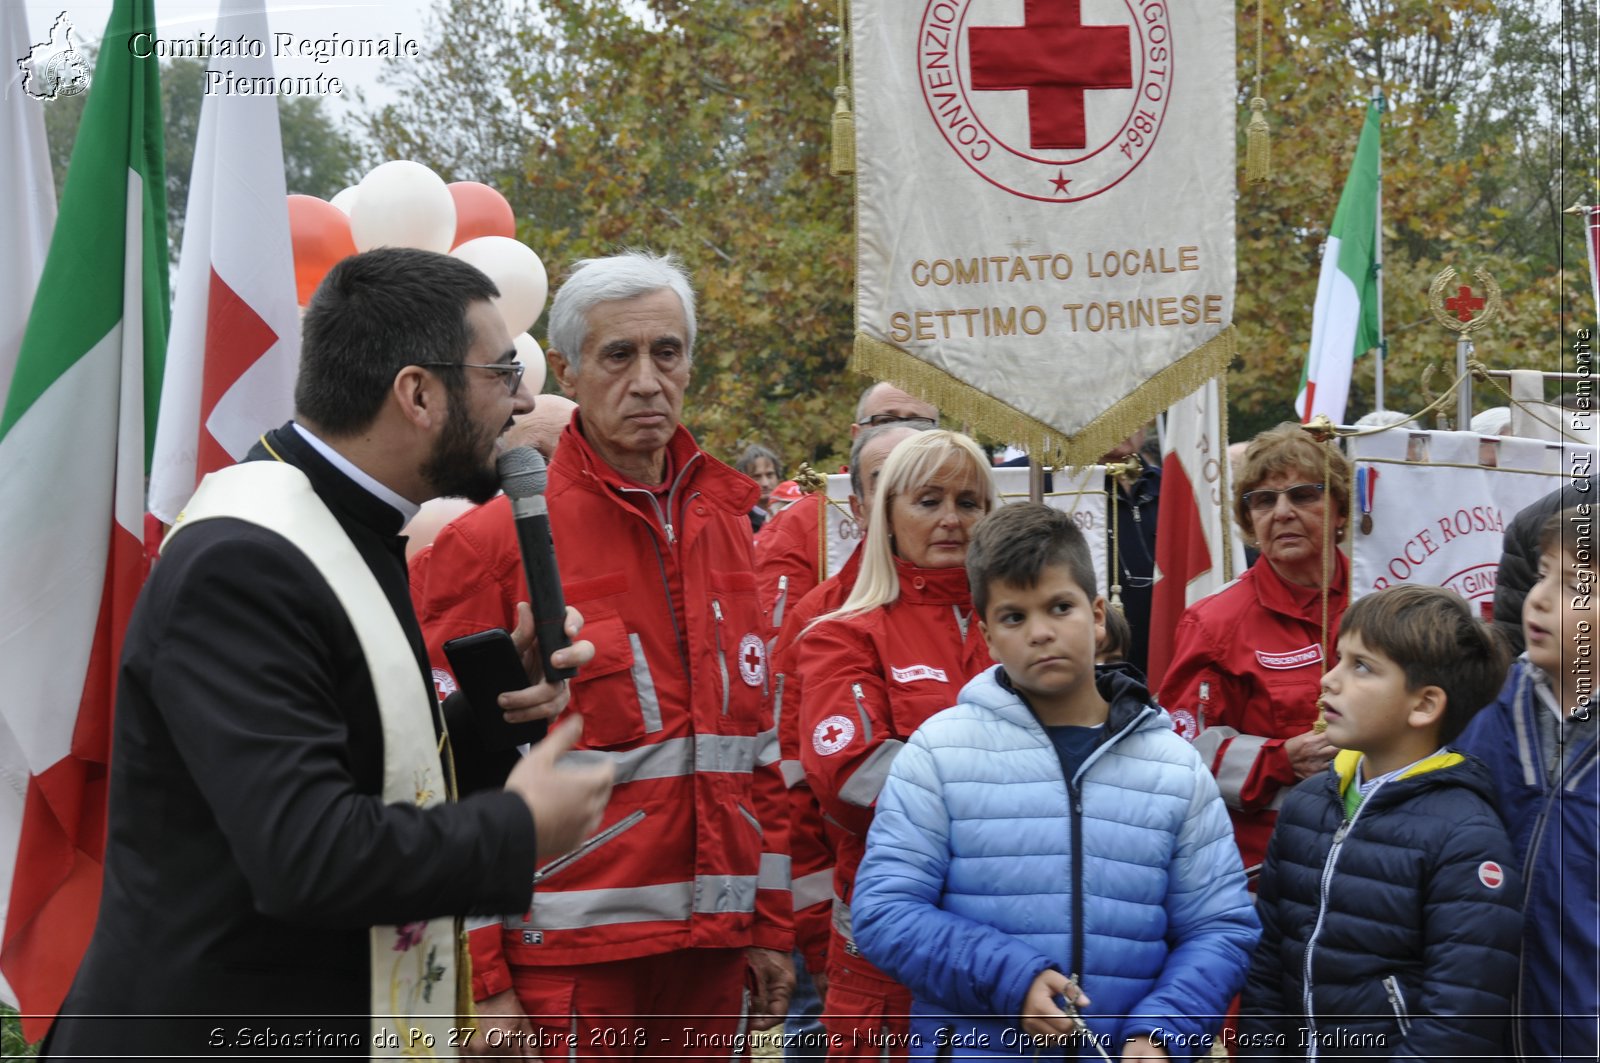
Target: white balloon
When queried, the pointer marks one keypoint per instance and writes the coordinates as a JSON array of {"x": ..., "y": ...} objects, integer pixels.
[
  {"x": 346, "y": 199},
  {"x": 529, "y": 354},
  {"x": 403, "y": 204},
  {"x": 516, "y": 271}
]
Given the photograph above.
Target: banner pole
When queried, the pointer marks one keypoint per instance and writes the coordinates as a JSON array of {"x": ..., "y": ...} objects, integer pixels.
[{"x": 1377, "y": 267}]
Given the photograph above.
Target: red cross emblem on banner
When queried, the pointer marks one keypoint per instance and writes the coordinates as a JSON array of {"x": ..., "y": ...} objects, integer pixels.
[
  {"x": 1056, "y": 58},
  {"x": 1053, "y": 108}
]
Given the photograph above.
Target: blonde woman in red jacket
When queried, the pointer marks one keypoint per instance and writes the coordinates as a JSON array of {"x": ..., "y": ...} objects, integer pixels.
[{"x": 899, "y": 650}]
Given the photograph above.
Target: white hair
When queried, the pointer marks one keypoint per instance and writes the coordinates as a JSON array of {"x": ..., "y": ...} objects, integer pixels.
[{"x": 602, "y": 280}]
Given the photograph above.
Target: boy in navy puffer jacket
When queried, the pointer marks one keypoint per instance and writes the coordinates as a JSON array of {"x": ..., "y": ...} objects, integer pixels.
[
  {"x": 1389, "y": 898},
  {"x": 1539, "y": 740},
  {"x": 1052, "y": 824}
]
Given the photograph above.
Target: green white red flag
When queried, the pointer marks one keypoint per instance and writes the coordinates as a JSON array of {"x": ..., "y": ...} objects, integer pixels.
[
  {"x": 75, "y": 438},
  {"x": 27, "y": 194},
  {"x": 1344, "y": 319}
]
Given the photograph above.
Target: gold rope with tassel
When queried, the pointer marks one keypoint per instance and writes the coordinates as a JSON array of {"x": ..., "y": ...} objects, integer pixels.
[
  {"x": 812, "y": 482},
  {"x": 1257, "y": 137},
  {"x": 982, "y": 413},
  {"x": 843, "y": 161}
]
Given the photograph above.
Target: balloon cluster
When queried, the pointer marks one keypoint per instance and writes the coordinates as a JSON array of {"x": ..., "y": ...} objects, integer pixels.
[{"x": 405, "y": 204}]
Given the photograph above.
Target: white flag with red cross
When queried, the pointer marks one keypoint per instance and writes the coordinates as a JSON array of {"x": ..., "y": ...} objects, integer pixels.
[
  {"x": 235, "y": 344},
  {"x": 1045, "y": 210}
]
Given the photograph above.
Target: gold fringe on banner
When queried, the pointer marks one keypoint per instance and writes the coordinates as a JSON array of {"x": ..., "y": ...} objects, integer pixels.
[
  {"x": 843, "y": 160},
  {"x": 960, "y": 402}
]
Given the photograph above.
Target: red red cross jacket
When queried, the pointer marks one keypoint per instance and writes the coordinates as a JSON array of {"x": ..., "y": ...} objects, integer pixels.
[
  {"x": 787, "y": 558},
  {"x": 1245, "y": 676},
  {"x": 693, "y": 848},
  {"x": 869, "y": 681},
  {"x": 810, "y": 844}
]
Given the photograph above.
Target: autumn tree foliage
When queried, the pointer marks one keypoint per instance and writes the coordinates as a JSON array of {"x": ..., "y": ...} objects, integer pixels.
[
  {"x": 696, "y": 127},
  {"x": 702, "y": 127},
  {"x": 1478, "y": 160}
]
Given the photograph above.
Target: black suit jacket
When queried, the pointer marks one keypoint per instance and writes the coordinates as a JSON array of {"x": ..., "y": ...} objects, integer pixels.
[{"x": 248, "y": 849}]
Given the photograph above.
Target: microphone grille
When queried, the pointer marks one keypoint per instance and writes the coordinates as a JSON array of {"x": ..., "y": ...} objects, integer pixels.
[{"x": 522, "y": 472}]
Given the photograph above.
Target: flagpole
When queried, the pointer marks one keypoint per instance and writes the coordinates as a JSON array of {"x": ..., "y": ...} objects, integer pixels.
[{"x": 1377, "y": 267}]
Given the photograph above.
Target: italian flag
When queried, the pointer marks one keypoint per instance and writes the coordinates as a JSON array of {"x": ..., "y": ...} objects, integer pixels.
[
  {"x": 75, "y": 438},
  {"x": 1344, "y": 321}
]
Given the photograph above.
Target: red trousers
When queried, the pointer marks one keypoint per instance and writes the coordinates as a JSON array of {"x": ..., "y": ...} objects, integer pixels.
[
  {"x": 864, "y": 1012},
  {"x": 689, "y": 1004}
]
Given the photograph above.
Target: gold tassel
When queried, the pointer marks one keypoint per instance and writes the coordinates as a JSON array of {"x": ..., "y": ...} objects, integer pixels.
[
  {"x": 844, "y": 135},
  {"x": 1257, "y": 144}
]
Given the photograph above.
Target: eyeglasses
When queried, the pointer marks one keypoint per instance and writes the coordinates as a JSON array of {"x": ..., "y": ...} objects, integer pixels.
[
  {"x": 1301, "y": 496},
  {"x": 512, "y": 371},
  {"x": 878, "y": 420}
]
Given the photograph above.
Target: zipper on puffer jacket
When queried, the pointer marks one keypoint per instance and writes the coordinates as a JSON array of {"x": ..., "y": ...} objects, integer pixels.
[
  {"x": 567, "y": 859},
  {"x": 1322, "y": 912},
  {"x": 1552, "y": 790},
  {"x": 722, "y": 657},
  {"x": 1397, "y": 1002}
]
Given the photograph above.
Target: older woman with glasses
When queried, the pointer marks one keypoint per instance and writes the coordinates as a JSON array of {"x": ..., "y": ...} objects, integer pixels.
[{"x": 1248, "y": 661}]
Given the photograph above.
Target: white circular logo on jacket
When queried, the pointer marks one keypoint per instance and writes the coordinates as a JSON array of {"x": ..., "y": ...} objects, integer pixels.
[
  {"x": 1491, "y": 874},
  {"x": 832, "y": 735},
  {"x": 752, "y": 660},
  {"x": 1185, "y": 724},
  {"x": 444, "y": 683}
]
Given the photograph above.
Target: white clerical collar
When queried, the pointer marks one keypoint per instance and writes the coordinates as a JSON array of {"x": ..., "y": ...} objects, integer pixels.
[{"x": 407, "y": 508}]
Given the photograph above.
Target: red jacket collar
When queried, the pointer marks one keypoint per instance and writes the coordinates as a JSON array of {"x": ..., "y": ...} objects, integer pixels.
[
  {"x": 1294, "y": 600},
  {"x": 575, "y": 458},
  {"x": 933, "y": 585}
]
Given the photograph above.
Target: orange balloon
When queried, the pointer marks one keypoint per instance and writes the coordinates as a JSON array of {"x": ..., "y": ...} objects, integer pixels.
[
  {"x": 480, "y": 211},
  {"x": 320, "y": 235}
]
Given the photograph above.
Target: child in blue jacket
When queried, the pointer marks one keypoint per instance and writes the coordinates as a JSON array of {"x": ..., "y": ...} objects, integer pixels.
[
  {"x": 1050, "y": 825},
  {"x": 1539, "y": 741},
  {"x": 1389, "y": 899}
]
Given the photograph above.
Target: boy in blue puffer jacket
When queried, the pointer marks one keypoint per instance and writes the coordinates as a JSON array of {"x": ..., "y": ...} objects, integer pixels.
[
  {"x": 1052, "y": 824},
  {"x": 1389, "y": 899},
  {"x": 1539, "y": 740}
]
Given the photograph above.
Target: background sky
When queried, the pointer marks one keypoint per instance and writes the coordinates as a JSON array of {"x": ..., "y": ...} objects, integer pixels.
[{"x": 182, "y": 19}]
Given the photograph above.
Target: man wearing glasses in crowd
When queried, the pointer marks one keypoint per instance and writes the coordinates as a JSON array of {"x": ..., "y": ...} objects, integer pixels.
[
  {"x": 281, "y": 840},
  {"x": 786, "y": 551}
]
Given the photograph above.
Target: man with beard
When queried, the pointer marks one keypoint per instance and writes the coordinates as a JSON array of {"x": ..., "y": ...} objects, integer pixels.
[
  {"x": 639, "y": 943},
  {"x": 281, "y": 839}
]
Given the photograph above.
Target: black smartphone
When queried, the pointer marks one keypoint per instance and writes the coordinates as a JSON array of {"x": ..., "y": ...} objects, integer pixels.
[{"x": 487, "y": 665}]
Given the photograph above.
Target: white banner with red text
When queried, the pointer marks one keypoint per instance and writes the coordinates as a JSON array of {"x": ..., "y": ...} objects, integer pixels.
[{"x": 1432, "y": 507}]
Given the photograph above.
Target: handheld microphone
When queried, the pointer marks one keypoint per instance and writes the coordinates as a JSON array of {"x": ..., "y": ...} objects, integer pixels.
[{"x": 522, "y": 476}]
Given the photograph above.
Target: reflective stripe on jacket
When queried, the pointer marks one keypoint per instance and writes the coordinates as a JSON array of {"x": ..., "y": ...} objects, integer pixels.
[{"x": 692, "y": 851}]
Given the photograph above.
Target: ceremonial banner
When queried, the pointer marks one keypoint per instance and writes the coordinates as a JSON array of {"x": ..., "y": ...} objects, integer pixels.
[
  {"x": 74, "y": 450},
  {"x": 1439, "y": 517},
  {"x": 1080, "y": 493},
  {"x": 1344, "y": 320},
  {"x": 1194, "y": 525},
  {"x": 1045, "y": 210},
  {"x": 235, "y": 343}
]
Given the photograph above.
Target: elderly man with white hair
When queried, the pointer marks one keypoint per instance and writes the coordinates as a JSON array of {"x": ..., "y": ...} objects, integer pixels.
[{"x": 640, "y": 941}]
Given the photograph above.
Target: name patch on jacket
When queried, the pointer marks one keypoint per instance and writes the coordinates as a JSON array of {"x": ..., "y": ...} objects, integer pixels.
[
  {"x": 1311, "y": 654},
  {"x": 917, "y": 672}
]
